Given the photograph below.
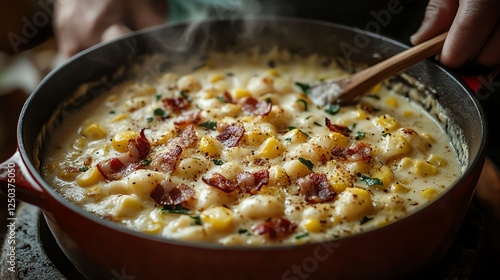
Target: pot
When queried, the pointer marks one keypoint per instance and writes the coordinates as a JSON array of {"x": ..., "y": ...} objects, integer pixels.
[{"x": 101, "y": 249}]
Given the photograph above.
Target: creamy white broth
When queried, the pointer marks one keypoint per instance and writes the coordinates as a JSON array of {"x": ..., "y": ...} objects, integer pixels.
[{"x": 315, "y": 183}]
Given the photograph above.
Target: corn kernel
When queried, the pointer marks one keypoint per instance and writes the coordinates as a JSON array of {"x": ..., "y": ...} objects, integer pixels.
[
  {"x": 360, "y": 115},
  {"x": 118, "y": 118},
  {"x": 407, "y": 113},
  {"x": 240, "y": 93},
  {"x": 295, "y": 136},
  {"x": 399, "y": 188},
  {"x": 207, "y": 94},
  {"x": 67, "y": 174},
  {"x": 89, "y": 178},
  {"x": 112, "y": 98},
  {"x": 259, "y": 134},
  {"x": 339, "y": 140},
  {"x": 387, "y": 122},
  {"x": 127, "y": 206},
  {"x": 164, "y": 138},
  {"x": 428, "y": 138},
  {"x": 425, "y": 169},
  {"x": 295, "y": 168},
  {"x": 393, "y": 102},
  {"x": 271, "y": 148},
  {"x": 209, "y": 146},
  {"x": 339, "y": 182},
  {"x": 429, "y": 193},
  {"x": 383, "y": 173},
  {"x": 215, "y": 78},
  {"x": 273, "y": 72},
  {"x": 312, "y": 225},
  {"x": 437, "y": 160},
  {"x": 218, "y": 218},
  {"x": 80, "y": 143},
  {"x": 354, "y": 204},
  {"x": 120, "y": 140},
  {"x": 405, "y": 163},
  {"x": 94, "y": 132},
  {"x": 376, "y": 88}
]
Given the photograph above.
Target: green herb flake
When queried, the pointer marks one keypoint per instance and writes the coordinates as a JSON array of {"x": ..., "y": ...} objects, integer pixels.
[
  {"x": 374, "y": 96},
  {"x": 242, "y": 230},
  {"x": 149, "y": 119},
  {"x": 385, "y": 134},
  {"x": 370, "y": 181},
  {"x": 317, "y": 124},
  {"x": 158, "y": 97},
  {"x": 83, "y": 169},
  {"x": 209, "y": 124},
  {"x": 218, "y": 162},
  {"x": 184, "y": 95},
  {"x": 160, "y": 113},
  {"x": 333, "y": 109},
  {"x": 303, "y": 102},
  {"x": 365, "y": 220},
  {"x": 269, "y": 100},
  {"x": 306, "y": 88},
  {"x": 301, "y": 235},
  {"x": 307, "y": 163},
  {"x": 288, "y": 139},
  {"x": 112, "y": 112},
  {"x": 222, "y": 99},
  {"x": 291, "y": 127},
  {"x": 229, "y": 74},
  {"x": 360, "y": 135},
  {"x": 197, "y": 220},
  {"x": 176, "y": 209},
  {"x": 145, "y": 162},
  {"x": 336, "y": 236}
]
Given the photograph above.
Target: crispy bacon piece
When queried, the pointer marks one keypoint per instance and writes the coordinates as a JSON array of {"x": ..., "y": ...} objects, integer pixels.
[
  {"x": 275, "y": 228},
  {"x": 344, "y": 130},
  {"x": 175, "y": 105},
  {"x": 187, "y": 139},
  {"x": 359, "y": 151},
  {"x": 255, "y": 107},
  {"x": 187, "y": 118},
  {"x": 226, "y": 97},
  {"x": 252, "y": 182},
  {"x": 232, "y": 134},
  {"x": 220, "y": 182},
  {"x": 117, "y": 167},
  {"x": 180, "y": 195},
  {"x": 244, "y": 182},
  {"x": 315, "y": 188},
  {"x": 167, "y": 161}
]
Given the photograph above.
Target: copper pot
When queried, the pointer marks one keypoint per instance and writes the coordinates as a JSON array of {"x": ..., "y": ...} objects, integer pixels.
[{"x": 101, "y": 249}]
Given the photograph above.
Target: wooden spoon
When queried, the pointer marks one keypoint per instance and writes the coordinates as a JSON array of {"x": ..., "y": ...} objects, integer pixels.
[{"x": 346, "y": 90}]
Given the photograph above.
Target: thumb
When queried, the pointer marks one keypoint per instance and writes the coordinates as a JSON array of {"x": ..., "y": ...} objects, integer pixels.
[
  {"x": 114, "y": 31},
  {"x": 438, "y": 18}
]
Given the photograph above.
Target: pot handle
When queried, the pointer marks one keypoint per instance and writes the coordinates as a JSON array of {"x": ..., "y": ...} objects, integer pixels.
[{"x": 16, "y": 182}]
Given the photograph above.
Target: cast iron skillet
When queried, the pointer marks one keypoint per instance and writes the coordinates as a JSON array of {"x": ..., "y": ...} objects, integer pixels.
[{"x": 101, "y": 249}]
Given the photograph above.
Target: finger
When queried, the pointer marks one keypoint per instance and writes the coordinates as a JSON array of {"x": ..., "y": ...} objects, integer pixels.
[
  {"x": 470, "y": 30},
  {"x": 114, "y": 31},
  {"x": 490, "y": 54},
  {"x": 146, "y": 13},
  {"x": 438, "y": 18}
]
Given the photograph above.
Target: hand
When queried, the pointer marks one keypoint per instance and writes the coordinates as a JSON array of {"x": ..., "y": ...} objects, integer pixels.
[
  {"x": 80, "y": 24},
  {"x": 474, "y": 31}
]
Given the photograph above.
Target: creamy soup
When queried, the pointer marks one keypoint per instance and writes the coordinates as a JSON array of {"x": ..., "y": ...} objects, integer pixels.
[{"x": 235, "y": 152}]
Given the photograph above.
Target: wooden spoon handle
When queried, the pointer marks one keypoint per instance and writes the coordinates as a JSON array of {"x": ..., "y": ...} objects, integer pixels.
[{"x": 365, "y": 79}]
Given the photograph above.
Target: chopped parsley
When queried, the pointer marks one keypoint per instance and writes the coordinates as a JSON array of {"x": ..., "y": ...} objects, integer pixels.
[
  {"x": 158, "y": 97},
  {"x": 83, "y": 169},
  {"x": 197, "y": 220},
  {"x": 218, "y": 162},
  {"x": 112, "y": 112},
  {"x": 303, "y": 102},
  {"x": 294, "y": 127},
  {"x": 301, "y": 235},
  {"x": 333, "y": 109},
  {"x": 242, "y": 230},
  {"x": 374, "y": 96},
  {"x": 370, "y": 181},
  {"x": 288, "y": 139},
  {"x": 385, "y": 134},
  {"x": 149, "y": 120},
  {"x": 222, "y": 99},
  {"x": 365, "y": 220},
  {"x": 145, "y": 162},
  {"x": 306, "y": 162},
  {"x": 160, "y": 113},
  {"x": 360, "y": 135},
  {"x": 306, "y": 88},
  {"x": 209, "y": 124},
  {"x": 176, "y": 209},
  {"x": 184, "y": 95},
  {"x": 269, "y": 100}
]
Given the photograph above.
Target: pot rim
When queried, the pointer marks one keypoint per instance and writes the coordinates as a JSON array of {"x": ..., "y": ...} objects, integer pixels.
[{"x": 53, "y": 194}]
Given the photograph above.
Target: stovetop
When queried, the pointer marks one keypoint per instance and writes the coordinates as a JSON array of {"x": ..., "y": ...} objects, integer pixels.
[{"x": 39, "y": 256}]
